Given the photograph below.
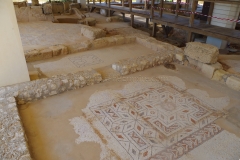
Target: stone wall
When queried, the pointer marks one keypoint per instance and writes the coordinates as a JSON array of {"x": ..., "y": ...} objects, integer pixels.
[
  {"x": 43, "y": 88},
  {"x": 13, "y": 144}
]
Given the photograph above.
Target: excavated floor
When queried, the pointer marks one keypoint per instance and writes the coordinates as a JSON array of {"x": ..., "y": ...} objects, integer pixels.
[{"x": 52, "y": 137}]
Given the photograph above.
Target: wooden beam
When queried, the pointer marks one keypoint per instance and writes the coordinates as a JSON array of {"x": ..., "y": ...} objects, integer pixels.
[
  {"x": 191, "y": 20},
  {"x": 154, "y": 31},
  {"x": 222, "y": 1},
  {"x": 152, "y": 9},
  {"x": 161, "y": 6},
  {"x": 210, "y": 13},
  {"x": 177, "y": 7}
]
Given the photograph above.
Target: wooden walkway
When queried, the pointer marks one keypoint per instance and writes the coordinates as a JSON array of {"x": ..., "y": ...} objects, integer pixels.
[{"x": 199, "y": 27}]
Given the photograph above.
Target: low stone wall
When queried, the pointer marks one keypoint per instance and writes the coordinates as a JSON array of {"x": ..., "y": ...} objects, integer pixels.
[
  {"x": 45, "y": 53},
  {"x": 43, "y": 88},
  {"x": 56, "y": 50},
  {"x": 129, "y": 66},
  {"x": 13, "y": 144}
]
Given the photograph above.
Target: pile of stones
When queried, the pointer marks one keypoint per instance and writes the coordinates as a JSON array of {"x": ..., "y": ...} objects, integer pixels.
[{"x": 204, "y": 57}]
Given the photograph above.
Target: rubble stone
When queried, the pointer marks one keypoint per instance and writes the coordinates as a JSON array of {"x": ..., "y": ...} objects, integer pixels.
[
  {"x": 204, "y": 53},
  {"x": 208, "y": 70},
  {"x": 92, "y": 33},
  {"x": 233, "y": 82},
  {"x": 219, "y": 75}
]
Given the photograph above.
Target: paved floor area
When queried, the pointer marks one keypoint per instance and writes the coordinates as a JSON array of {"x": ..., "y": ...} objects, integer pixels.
[{"x": 52, "y": 137}]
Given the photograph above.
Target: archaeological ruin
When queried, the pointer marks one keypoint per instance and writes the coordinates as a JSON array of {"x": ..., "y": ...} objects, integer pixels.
[{"x": 119, "y": 80}]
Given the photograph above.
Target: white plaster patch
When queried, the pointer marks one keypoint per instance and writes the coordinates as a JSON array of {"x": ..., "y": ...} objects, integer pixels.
[
  {"x": 217, "y": 103},
  {"x": 173, "y": 80}
]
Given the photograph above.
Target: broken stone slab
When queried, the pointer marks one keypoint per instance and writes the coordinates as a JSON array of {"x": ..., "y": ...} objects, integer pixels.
[
  {"x": 204, "y": 53},
  {"x": 92, "y": 33},
  {"x": 208, "y": 70},
  {"x": 179, "y": 56},
  {"x": 219, "y": 75},
  {"x": 114, "y": 19},
  {"x": 59, "y": 50},
  {"x": 233, "y": 82}
]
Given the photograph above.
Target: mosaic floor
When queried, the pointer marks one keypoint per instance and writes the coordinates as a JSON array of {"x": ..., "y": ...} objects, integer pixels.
[
  {"x": 46, "y": 33},
  {"x": 157, "y": 121}
]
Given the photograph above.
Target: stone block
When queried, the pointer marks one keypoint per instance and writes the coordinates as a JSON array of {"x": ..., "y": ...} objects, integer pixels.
[
  {"x": 99, "y": 43},
  {"x": 179, "y": 56},
  {"x": 219, "y": 75},
  {"x": 33, "y": 75},
  {"x": 92, "y": 33},
  {"x": 47, "y": 8},
  {"x": 33, "y": 55},
  {"x": 119, "y": 39},
  {"x": 111, "y": 41},
  {"x": 233, "y": 82},
  {"x": 114, "y": 19},
  {"x": 130, "y": 39},
  {"x": 208, "y": 70},
  {"x": 59, "y": 50},
  {"x": 57, "y": 8},
  {"x": 46, "y": 53},
  {"x": 90, "y": 21},
  {"x": 204, "y": 53}
]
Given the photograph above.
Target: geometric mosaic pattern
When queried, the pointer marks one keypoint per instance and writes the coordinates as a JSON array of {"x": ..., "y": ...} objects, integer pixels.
[
  {"x": 85, "y": 60},
  {"x": 151, "y": 123}
]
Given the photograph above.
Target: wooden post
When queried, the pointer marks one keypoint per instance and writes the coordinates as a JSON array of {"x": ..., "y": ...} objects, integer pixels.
[
  {"x": 100, "y": 1},
  {"x": 161, "y": 6},
  {"x": 123, "y": 16},
  {"x": 106, "y": 2},
  {"x": 130, "y": 5},
  {"x": 109, "y": 11},
  {"x": 88, "y": 5},
  {"x": 187, "y": 5},
  {"x": 194, "y": 6},
  {"x": 154, "y": 30},
  {"x": 132, "y": 20},
  {"x": 189, "y": 36},
  {"x": 94, "y": 2},
  {"x": 177, "y": 7},
  {"x": 152, "y": 10},
  {"x": 147, "y": 22},
  {"x": 210, "y": 12},
  {"x": 123, "y": 3}
]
